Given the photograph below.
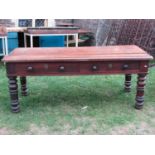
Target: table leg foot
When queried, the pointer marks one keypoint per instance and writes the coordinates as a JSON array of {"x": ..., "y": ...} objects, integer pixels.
[
  {"x": 13, "y": 88},
  {"x": 127, "y": 87},
  {"x": 140, "y": 91},
  {"x": 24, "y": 90}
]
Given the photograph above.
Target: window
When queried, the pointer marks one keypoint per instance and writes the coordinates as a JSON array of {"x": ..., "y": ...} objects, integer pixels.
[
  {"x": 35, "y": 22},
  {"x": 30, "y": 22},
  {"x": 39, "y": 22},
  {"x": 25, "y": 22}
]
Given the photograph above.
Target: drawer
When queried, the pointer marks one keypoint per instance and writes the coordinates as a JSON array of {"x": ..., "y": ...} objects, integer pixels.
[
  {"x": 109, "y": 67},
  {"x": 123, "y": 66},
  {"x": 47, "y": 68}
]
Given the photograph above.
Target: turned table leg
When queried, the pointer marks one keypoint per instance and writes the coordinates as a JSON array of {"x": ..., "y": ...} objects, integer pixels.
[
  {"x": 140, "y": 91},
  {"x": 127, "y": 87},
  {"x": 13, "y": 88},
  {"x": 24, "y": 90}
]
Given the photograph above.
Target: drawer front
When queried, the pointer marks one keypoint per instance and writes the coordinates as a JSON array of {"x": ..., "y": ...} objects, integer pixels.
[
  {"x": 46, "y": 68},
  {"x": 109, "y": 67},
  {"x": 123, "y": 67},
  {"x": 73, "y": 68}
]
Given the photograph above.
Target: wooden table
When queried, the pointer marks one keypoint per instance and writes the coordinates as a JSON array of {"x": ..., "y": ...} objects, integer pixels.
[
  {"x": 63, "y": 24},
  {"x": 126, "y": 60},
  {"x": 61, "y": 31}
]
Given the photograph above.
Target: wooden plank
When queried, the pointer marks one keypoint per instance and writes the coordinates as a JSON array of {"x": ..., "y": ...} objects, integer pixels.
[
  {"x": 128, "y": 52},
  {"x": 72, "y": 50}
]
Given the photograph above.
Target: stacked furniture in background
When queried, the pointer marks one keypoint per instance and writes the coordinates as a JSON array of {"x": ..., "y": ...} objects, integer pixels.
[{"x": 3, "y": 39}]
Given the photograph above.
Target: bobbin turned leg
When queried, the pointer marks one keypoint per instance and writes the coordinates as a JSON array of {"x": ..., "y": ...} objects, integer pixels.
[
  {"x": 140, "y": 91},
  {"x": 13, "y": 88},
  {"x": 23, "y": 82},
  {"x": 127, "y": 87}
]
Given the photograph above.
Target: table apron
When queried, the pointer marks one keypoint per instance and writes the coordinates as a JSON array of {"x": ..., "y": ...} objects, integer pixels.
[{"x": 76, "y": 68}]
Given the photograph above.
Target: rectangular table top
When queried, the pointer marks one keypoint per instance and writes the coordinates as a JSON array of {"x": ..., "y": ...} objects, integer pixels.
[
  {"x": 59, "y": 30},
  {"x": 43, "y": 30},
  {"x": 106, "y": 53}
]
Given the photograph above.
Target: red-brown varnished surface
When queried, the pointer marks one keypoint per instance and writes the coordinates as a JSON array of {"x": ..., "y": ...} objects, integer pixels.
[
  {"x": 78, "y": 54},
  {"x": 73, "y": 68}
]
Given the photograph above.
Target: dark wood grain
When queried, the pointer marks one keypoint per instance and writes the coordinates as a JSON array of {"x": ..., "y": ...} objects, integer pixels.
[
  {"x": 141, "y": 81},
  {"x": 73, "y": 68},
  {"x": 23, "y": 82},
  {"x": 13, "y": 89},
  {"x": 127, "y": 83}
]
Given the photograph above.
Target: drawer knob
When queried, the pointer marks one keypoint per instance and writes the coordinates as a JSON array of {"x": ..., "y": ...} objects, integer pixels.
[
  {"x": 126, "y": 66},
  {"x": 30, "y": 68},
  {"x": 61, "y": 68},
  {"x": 94, "y": 67},
  {"x": 110, "y": 66}
]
